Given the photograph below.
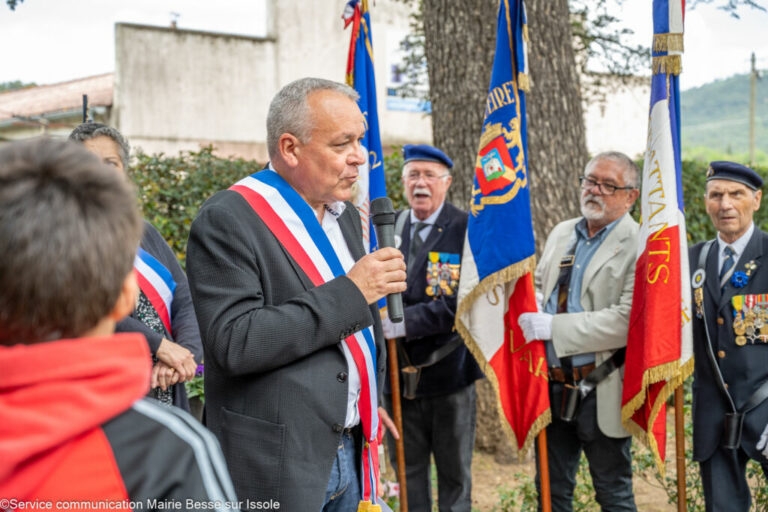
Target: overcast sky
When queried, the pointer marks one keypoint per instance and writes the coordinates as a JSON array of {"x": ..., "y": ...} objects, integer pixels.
[{"x": 47, "y": 41}]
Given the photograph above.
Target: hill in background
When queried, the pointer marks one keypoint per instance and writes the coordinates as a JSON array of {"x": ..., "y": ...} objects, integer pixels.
[{"x": 715, "y": 119}]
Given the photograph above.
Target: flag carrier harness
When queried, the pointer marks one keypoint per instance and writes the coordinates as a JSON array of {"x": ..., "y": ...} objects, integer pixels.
[
  {"x": 575, "y": 391},
  {"x": 734, "y": 420}
]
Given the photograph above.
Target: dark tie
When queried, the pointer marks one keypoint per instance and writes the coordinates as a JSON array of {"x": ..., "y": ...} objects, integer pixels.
[
  {"x": 416, "y": 241},
  {"x": 727, "y": 264}
]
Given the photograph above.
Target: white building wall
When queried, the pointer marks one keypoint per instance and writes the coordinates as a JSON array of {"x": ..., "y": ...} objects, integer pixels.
[
  {"x": 176, "y": 89},
  {"x": 312, "y": 42}
]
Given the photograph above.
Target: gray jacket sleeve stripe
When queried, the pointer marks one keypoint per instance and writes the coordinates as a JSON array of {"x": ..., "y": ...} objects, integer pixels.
[
  {"x": 217, "y": 459},
  {"x": 203, "y": 454}
]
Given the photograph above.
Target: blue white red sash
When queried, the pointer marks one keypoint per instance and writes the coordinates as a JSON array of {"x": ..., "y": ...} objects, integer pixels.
[
  {"x": 157, "y": 284},
  {"x": 295, "y": 225}
]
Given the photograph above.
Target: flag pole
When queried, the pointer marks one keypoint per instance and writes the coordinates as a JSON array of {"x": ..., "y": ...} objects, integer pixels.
[
  {"x": 680, "y": 449},
  {"x": 546, "y": 499},
  {"x": 397, "y": 413}
]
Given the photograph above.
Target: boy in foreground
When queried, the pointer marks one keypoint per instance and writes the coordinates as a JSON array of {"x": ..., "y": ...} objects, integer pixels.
[{"x": 76, "y": 428}]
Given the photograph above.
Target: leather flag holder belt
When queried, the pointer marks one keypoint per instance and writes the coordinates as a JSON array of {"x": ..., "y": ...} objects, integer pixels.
[
  {"x": 575, "y": 390},
  {"x": 734, "y": 420},
  {"x": 412, "y": 373}
]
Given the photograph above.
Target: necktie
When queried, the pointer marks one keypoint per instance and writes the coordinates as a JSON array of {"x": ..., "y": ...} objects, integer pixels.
[
  {"x": 416, "y": 241},
  {"x": 727, "y": 265}
]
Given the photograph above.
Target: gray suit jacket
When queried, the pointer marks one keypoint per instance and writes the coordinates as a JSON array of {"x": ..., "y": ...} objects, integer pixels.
[
  {"x": 606, "y": 296},
  {"x": 275, "y": 375}
]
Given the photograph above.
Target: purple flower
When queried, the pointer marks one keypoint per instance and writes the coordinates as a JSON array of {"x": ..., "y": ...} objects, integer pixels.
[
  {"x": 199, "y": 370},
  {"x": 739, "y": 279}
]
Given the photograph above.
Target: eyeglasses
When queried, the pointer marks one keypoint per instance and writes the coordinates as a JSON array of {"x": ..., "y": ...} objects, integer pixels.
[
  {"x": 428, "y": 176},
  {"x": 605, "y": 188}
]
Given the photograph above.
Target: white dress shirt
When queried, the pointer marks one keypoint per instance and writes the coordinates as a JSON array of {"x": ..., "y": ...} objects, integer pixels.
[
  {"x": 330, "y": 225},
  {"x": 738, "y": 247}
]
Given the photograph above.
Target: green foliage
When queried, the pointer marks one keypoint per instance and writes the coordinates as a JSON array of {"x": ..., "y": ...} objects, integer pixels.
[
  {"x": 194, "y": 386},
  {"x": 716, "y": 116},
  {"x": 173, "y": 188},
  {"x": 393, "y": 172},
  {"x": 524, "y": 496},
  {"x": 698, "y": 223},
  {"x": 14, "y": 84}
]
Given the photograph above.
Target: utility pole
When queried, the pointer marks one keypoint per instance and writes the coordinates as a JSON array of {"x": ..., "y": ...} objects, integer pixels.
[{"x": 752, "y": 89}]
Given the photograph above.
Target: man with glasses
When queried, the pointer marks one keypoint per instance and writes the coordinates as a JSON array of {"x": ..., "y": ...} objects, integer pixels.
[
  {"x": 439, "y": 392},
  {"x": 586, "y": 276}
]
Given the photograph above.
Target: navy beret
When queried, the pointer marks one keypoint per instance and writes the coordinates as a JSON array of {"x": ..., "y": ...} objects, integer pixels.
[
  {"x": 412, "y": 152},
  {"x": 732, "y": 171}
]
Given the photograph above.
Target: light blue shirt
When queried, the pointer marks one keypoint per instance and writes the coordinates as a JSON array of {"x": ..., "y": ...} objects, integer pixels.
[{"x": 585, "y": 248}]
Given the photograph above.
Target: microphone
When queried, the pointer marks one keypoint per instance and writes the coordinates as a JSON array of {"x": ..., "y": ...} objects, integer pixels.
[{"x": 383, "y": 218}]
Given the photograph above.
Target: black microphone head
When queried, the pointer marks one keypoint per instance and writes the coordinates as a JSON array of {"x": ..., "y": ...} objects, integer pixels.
[{"x": 382, "y": 211}]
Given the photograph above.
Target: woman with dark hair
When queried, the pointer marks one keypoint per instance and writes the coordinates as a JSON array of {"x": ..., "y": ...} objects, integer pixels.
[{"x": 164, "y": 312}]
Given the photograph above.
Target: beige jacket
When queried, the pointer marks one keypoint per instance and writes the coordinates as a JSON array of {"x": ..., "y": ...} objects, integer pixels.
[{"x": 606, "y": 296}]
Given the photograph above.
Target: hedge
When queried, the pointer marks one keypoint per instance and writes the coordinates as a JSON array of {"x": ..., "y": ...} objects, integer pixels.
[{"x": 172, "y": 189}]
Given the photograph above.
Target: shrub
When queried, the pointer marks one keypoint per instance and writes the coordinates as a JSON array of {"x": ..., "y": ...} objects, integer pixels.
[{"x": 173, "y": 188}]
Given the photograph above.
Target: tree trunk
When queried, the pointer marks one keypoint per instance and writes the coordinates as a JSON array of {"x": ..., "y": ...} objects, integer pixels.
[
  {"x": 557, "y": 149},
  {"x": 460, "y": 38},
  {"x": 459, "y": 41}
]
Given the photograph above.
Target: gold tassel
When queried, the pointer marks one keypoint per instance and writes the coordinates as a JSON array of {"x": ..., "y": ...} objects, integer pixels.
[
  {"x": 364, "y": 506},
  {"x": 525, "y": 34},
  {"x": 667, "y": 64},
  {"x": 672, "y": 42},
  {"x": 523, "y": 82}
]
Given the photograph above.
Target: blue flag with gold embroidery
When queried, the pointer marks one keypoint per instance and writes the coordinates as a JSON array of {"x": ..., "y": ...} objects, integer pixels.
[
  {"x": 360, "y": 75},
  {"x": 496, "y": 283}
]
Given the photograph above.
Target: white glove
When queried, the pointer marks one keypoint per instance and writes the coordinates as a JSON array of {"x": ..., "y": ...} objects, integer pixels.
[
  {"x": 536, "y": 326},
  {"x": 762, "y": 444},
  {"x": 391, "y": 330}
]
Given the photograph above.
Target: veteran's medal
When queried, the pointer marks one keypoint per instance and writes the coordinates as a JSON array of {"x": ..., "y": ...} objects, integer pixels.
[
  {"x": 698, "y": 292},
  {"x": 741, "y": 340}
]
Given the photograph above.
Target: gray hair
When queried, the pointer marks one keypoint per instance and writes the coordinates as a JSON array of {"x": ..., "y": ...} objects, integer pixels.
[
  {"x": 87, "y": 131},
  {"x": 289, "y": 110},
  {"x": 628, "y": 166},
  {"x": 69, "y": 230}
]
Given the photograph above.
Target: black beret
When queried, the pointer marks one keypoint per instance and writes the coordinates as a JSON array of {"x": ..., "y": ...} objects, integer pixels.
[
  {"x": 731, "y": 171},
  {"x": 423, "y": 152}
]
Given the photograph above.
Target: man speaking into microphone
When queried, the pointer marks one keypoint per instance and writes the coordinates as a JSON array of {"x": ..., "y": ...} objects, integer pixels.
[
  {"x": 286, "y": 301},
  {"x": 437, "y": 371}
]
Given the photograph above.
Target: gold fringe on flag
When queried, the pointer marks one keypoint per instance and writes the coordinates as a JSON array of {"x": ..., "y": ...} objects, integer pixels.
[
  {"x": 667, "y": 64},
  {"x": 501, "y": 277},
  {"x": 672, "y": 42},
  {"x": 675, "y": 375},
  {"x": 523, "y": 82},
  {"x": 525, "y": 34}
]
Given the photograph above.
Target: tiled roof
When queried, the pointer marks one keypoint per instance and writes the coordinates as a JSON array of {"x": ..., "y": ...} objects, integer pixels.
[{"x": 61, "y": 97}]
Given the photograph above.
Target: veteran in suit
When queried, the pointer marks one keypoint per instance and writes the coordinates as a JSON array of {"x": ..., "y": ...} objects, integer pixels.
[
  {"x": 586, "y": 277},
  {"x": 730, "y": 331},
  {"x": 283, "y": 292},
  {"x": 439, "y": 400}
]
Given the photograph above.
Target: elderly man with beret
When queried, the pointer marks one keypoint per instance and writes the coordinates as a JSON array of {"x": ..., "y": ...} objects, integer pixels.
[
  {"x": 438, "y": 386},
  {"x": 730, "y": 332}
]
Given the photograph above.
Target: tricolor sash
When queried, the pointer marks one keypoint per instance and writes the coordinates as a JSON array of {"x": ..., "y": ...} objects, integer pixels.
[
  {"x": 157, "y": 284},
  {"x": 293, "y": 222}
]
